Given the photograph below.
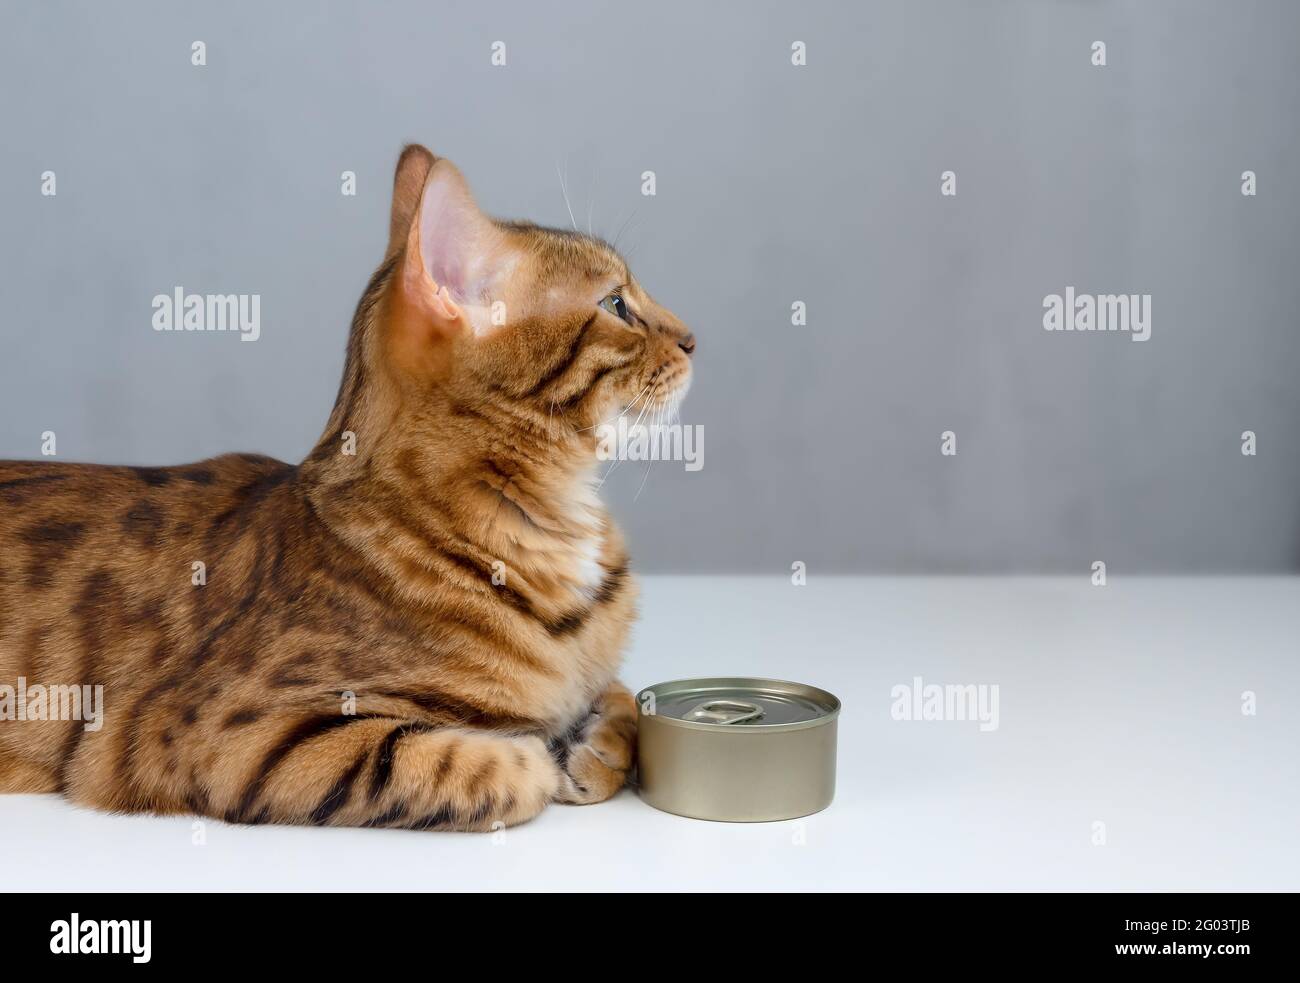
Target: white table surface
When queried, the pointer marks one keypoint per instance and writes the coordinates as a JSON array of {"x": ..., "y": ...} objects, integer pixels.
[{"x": 1117, "y": 704}]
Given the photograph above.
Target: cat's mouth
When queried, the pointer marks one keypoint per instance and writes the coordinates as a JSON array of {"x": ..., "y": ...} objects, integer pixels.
[{"x": 668, "y": 387}]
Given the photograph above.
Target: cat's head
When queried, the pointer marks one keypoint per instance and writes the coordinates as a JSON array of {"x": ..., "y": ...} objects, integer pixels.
[{"x": 550, "y": 322}]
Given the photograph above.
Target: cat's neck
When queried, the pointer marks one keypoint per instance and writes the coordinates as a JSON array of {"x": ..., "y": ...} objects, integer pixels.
[{"x": 472, "y": 481}]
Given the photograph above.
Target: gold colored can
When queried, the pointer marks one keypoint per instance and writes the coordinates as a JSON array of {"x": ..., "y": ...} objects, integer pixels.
[{"x": 737, "y": 750}]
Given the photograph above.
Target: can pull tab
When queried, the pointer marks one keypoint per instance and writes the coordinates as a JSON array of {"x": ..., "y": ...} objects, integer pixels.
[{"x": 724, "y": 712}]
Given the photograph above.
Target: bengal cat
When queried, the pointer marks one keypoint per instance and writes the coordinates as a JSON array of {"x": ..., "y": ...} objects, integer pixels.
[{"x": 418, "y": 626}]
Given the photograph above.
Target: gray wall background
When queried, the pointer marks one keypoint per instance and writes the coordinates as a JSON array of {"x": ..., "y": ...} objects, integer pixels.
[{"x": 775, "y": 184}]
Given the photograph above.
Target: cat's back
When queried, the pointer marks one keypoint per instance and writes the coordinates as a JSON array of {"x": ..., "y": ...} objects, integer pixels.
[{"x": 59, "y": 523}]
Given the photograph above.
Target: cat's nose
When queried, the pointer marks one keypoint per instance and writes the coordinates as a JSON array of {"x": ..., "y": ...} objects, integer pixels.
[{"x": 687, "y": 344}]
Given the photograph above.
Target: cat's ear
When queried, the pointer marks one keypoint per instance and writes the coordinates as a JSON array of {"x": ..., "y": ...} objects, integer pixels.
[
  {"x": 412, "y": 175},
  {"x": 454, "y": 254}
]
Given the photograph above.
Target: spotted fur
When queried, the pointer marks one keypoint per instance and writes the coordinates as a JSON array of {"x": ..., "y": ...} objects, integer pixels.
[{"x": 419, "y": 625}]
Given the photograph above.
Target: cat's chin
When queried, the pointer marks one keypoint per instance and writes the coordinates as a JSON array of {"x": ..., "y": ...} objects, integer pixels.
[{"x": 670, "y": 400}]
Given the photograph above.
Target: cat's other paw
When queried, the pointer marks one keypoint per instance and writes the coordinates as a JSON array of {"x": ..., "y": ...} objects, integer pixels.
[{"x": 597, "y": 753}]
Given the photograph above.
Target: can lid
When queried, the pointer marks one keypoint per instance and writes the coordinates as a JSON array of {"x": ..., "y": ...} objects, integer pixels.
[{"x": 739, "y": 703}]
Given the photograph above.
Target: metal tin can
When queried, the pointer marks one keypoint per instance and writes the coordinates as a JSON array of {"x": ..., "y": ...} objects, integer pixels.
[{"x": 737, "y": 750}]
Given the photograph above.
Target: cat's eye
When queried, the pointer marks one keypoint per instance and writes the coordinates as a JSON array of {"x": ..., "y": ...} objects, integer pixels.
[{"x": 616, "y": 306}]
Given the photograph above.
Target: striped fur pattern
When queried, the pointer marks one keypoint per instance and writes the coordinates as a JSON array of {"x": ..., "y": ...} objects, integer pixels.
[{"x": 420, "y": 625}]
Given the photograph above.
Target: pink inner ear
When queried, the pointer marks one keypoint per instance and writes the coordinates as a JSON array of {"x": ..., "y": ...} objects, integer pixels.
[{"x": 449, "y": 232}]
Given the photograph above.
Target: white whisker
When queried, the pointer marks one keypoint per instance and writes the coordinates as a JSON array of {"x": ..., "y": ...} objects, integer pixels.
[
  {"x": 622, "y": 228},
  {"x": 564, "y": 190},
  {"x": 641, "y": 414},
  {"x": 618, "y": 416},
  {"x": 608, "y": 472},
  {"x": 650, "y": 464}
]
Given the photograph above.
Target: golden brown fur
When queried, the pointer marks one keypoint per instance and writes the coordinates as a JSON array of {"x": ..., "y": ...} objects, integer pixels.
[{"x": 420, "y": 624}]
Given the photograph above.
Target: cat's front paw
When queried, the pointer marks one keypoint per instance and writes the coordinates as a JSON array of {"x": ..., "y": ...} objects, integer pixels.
[{"x": 597, "y": 753}]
